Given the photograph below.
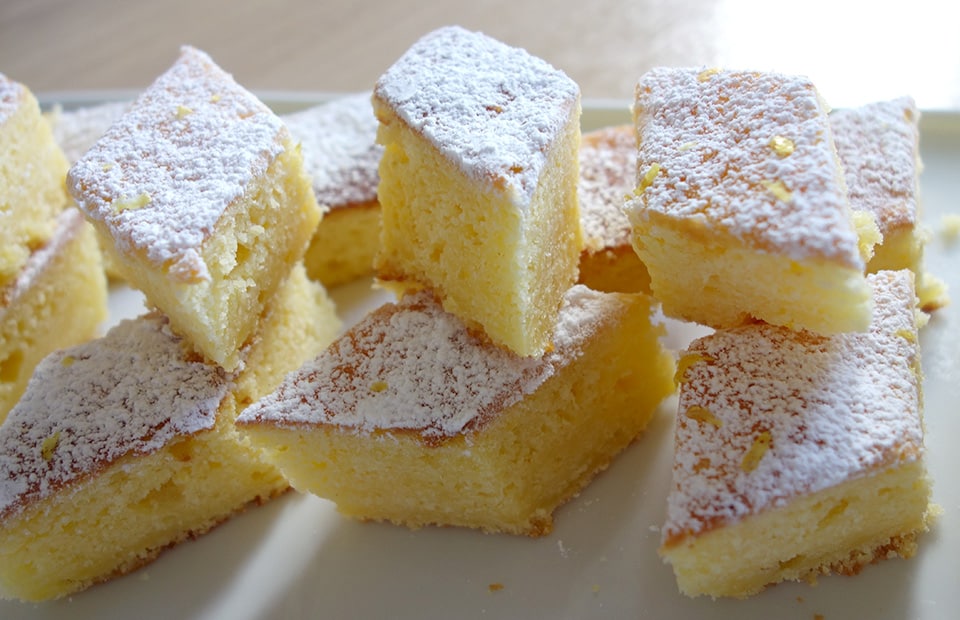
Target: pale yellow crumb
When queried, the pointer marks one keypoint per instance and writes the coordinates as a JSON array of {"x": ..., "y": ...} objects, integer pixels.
[
  {"x": 495, "y": 587},
  {"x": 951, "y": 226}
]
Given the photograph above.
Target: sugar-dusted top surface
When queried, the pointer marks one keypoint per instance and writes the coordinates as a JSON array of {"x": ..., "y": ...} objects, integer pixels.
[
  {"x": 163, "y": 174},
  {"x": 608, "y": 174},
  {"x": 77, "y": 130},
  {"x": 130, "y": 392},
  {"x": 69, "y": 223},
  {"x": 340, "y": 152},
  {"x": 749, "y": 154},
  {"x": 11, "y": 97},
  {"x": 829, "y": 409},
  {"x": 878, "y": 146},
  {"x": 491, "y": 109},
  {"x": 412, "y": 366}
]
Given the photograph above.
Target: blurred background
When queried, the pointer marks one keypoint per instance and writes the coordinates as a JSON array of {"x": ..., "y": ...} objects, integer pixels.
[{"x": 854, "y": 51}]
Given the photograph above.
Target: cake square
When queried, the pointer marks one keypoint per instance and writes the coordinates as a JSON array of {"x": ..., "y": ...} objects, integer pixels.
[
  {"x": 879, "y": 147},
  {"x": 798, "y": 454},
  {"x": 143, "y": 453},
  {"x": 478, "y": 183},
  {"x": 608, "y": 174},
  {"x": 32, "y": 169},
  {"x": 338, "y": 140},
  {"x": 411, "y": 418},
  {"x": 58, "y": 299},
  {"x": 200, "y": 195},
  {"x": 741, "y": 211}
]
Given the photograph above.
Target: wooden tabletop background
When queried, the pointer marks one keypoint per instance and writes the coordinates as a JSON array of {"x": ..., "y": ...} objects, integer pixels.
[{"x": 854, "y": 51}]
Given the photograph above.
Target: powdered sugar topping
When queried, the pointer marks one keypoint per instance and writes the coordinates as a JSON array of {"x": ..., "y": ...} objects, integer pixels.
[
  {"x": 77, "y": 130},
  {"x": 130, "y": 392},
  {"x": 165, "y": 172},
  {"x": 340, "y": 153},
  {"x": 878, "y": 145},
  {"x": 11, "y": 97},
  {"x": 412, "y": 366},
  {"x": 608, "y": 164},
  {"x": 492, "y": 109},
  {"x": 747, "y": 153},
  {"x": 822, "y": 410}
]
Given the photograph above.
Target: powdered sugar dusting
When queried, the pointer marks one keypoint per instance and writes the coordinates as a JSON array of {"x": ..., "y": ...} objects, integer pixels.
[
  {"x": 836, "y": 408},
  {"x": 711, "y": 133},
  {"x": 77, "y": 130},
  {"x": 163, "y": 174},
  {"x": 412, "y": 366},
  {"x": 608, "y": 164},
  {"x": 492, "y": 109},
  {"x": 131, "y": 391},
  {"x": 69, "y": 223},
  {"x": 878, "y": 145},
  {"x": 11, "y": 97},
  {"x": 340, "y": 153}
]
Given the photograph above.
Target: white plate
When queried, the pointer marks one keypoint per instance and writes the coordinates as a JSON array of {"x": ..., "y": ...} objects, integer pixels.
[{"x": 297, "y": 558}]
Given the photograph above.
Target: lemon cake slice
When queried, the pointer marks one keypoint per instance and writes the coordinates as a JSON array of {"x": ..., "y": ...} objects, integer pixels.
[
  {"x": 798, "y": 454},
  {"x": 478, "y": 183},
  {"x": 340, "y": 153},
  {"x": 32, "y": 169},
  {"x": 741, "y": 211},
  {"x": 608, "y": 174},
  {"x": 879, "y": 147},
  {"x": 411, "y": 418},
  {"x": 201, "y": 197},
  {"x": 58, "y": 300},
  {"x": 143, "y": 453}
]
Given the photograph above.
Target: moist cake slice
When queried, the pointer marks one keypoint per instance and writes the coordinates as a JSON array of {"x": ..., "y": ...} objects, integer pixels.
[
  {"x": 341, "y": 155},
  {"x": 32, "y": 168},
  {"x": 143, "y": 452},
  {"x": 798, "y": 454},
  {"x": 879, "y": 147},
  {"x": 478, "y": 183},
  {"x": 58, "y": 300},
  {"x": 200, "y": 195},
  {"x": 608, "y": 171},
  {"x": 413, "y": 419},
  {"x": 741, "y": 212}
]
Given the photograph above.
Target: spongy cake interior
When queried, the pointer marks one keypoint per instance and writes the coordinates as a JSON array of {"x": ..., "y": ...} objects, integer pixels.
[
  {"x": 495, "y": 264},
  {"x": 509, "y": 474}
]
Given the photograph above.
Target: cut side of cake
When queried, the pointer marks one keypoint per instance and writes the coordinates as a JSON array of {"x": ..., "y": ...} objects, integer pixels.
[
  {"x": 200, "y": 196},
  {"x": 879, "y": 147},
  {"x": 798, "y": 454},
  {"x": 32, "y": 169},
  {"x": 58, "y": 300},
  {"x": 608, "y": 174},
  {"x": 413, "y": 419},
  {"x": 341, "y": 155},
  {"x": 478, "y": 183},
  {"x": 143, "y": 452},
  {"x": 741, "y": 211}
]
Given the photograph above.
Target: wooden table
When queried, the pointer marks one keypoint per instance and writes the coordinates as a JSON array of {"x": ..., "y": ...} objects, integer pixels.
[{"x": 854, "y": 51}]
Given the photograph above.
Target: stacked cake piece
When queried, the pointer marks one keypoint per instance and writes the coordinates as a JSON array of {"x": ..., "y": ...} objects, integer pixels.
[
  {"x": 799, "y": 434},
  {"x": 199, "y": 194},
  {"x": 52, "y": 290},
  {"x": 494, "y": 388}
]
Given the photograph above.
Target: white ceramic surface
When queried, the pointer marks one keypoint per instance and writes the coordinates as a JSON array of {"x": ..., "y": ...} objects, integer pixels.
[{"x": 297, "y": 558}]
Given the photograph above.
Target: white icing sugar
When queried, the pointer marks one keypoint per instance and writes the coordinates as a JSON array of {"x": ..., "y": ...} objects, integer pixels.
[
  {"x": 77, "y": 130},
  {"x": 491, "y": 109},
  {"x": 836, "y": 408},
  {"x": 130, "y": 392},
  {"x": 69, "y": 222},
  {"x": 608, "y": 163},
  {"x": 878, "y": 146},
  {"x": 412, "y": 366},
  {"x": 710, "y": 133},
  {"x": 164, "y": 173},
  {"x": 11, "y": 97},
  {"x": 340, "y": 153}
]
